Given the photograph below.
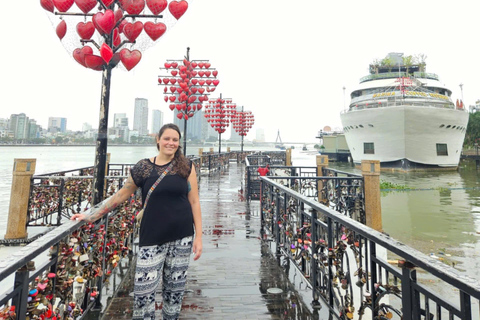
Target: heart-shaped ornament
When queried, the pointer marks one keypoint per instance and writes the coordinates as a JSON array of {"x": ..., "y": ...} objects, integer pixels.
[
  {"x": 130, "y": 58},
  {"x": 85, "y": 30},
  {"x": 178, "y": 8},
  {"x": 132, "y": 30},
  {"x": 155, "y": 30},
  {"x": 61, "y": 29},
  {"x": 116, "y": 37},
  {"x": 94, "y": 62},
  {"x": 86, "y": 5},
  {"x": 63, "y": 5},
  {"x": 156, "y": 6},
  {"x": 107, "y": 3},
  {"x": 106, "y": 52},
  {"x": 79, "y": 54},
  {"x": 134, "y": 6},
  {"x": 105, "y": 21},
  {"x": 47, "y": 5}
]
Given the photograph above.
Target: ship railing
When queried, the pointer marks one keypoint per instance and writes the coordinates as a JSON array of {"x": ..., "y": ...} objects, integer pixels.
[
  {"x": 399, "y": 102},
  {"x": 355, "y": 270},
  {"x": 71, "y": 269},
  {"x": 393, "y": 75}
]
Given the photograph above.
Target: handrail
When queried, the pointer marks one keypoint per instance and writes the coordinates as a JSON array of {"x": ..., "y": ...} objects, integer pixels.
[{"x": 320, "y": 243}]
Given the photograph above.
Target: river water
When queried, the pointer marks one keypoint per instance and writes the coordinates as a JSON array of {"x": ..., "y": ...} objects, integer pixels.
[{"x": 441, "y": 217}]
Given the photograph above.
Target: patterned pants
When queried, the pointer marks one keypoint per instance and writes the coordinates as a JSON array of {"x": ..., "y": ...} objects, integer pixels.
[{"x": 168, "y": 262}]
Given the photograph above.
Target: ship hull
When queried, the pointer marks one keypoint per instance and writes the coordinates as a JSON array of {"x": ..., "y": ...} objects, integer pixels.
[{"x": 406, "y": 137}]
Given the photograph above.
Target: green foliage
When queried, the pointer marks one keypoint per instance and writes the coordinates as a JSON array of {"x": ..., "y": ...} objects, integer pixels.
[
  {"x": 389, "y": 185},
  {"x": 473, "y": 131}
]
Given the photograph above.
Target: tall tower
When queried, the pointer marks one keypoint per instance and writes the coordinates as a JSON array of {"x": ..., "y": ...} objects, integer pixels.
[
  {"x": 140, "y": 116},
  {"x": 157, "y": 121}
]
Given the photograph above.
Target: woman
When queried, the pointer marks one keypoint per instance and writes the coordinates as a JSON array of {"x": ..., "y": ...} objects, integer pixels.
[{"x": 167, "y": 235}]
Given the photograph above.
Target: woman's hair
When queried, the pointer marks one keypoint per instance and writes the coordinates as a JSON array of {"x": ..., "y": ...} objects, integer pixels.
[{"x": 181, "y": 165}]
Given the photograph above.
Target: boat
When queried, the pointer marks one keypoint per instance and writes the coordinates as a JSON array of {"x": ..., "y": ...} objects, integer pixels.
[{"x": 404, "y": 117}]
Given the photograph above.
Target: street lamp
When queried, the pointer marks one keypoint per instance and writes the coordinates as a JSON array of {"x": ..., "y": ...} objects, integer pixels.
[
  {"x": 242, "y": 122},
  {"x": 96, "y": 32},
  {"x": 187, "y": 84},
  {"x": 218, "y": 113}
]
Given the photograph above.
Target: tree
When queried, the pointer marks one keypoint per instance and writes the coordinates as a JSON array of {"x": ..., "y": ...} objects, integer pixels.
[
  {"x": 407, "y": 62},
  {"x": 473, "y": 131},
  {"x": 388, "y": 62}
]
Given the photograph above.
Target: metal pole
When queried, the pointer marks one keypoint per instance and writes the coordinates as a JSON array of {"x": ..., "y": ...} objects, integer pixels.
[
  {"x": 219, "y": 142},
  {"x": 101, "y": 146},
  {"x": 185, "y": 137}
]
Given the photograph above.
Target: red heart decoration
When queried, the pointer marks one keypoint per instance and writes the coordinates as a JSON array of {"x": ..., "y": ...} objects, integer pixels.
[
  {"x": 115, "y": 59},
  {"x": 166, "y": 80},
  {"x": 180, "y": 116},
  {"x": 79, "y": 54},
  {"x": 118, "y": 15},
  {"x": 134, "y": 6},
  {"x": 173, "y": 81},
  {"x": 47, "y": 5},
  {"x": 166, "y": 99},
  {"x": 155, "y": 30},
  {"x": 94, "y": 62},
  {"x": 63, "y": 5},
  {"x": 173, "y": 89},
  {"x": 106, "y": 52},
  {"x": 107, "y": 3},
  {"x": 130, "y": 58},
  {"x": 215, "y": 73},
  {"x": 178, "y": 8},
  {"x": 156, "y": 6},
  {"x": 85, "y": 30},
  {"x": 207, "y": 65},
  {"x": 216, "y": 82},
  {"x": 194, "y": 81},
  {"x": 132, "y": 30},
  {"x": 86, "y": 5},
  {"x": 116, "y": 37},
  {"x": 172, "y": 106},
  {"x": 105, "y": 21},
  {"x": 174, "y": 72},
  {"x": 61, "y": 29}
]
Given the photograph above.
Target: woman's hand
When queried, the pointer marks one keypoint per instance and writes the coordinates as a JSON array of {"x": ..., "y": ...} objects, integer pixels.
[
  {"x": 79, "y": 216},
  {"x": 197, "y": 248}
]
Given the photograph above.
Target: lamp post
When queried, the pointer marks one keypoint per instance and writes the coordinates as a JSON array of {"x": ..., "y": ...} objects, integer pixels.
[
  {"x": 218, "y": 113},
  {"x": 103, "y": 28},
  {"x": 187, "y": 84},
  {"x": 242, "y": 122}
]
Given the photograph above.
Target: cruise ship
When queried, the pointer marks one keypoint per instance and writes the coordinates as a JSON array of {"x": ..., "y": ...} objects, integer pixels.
[{"x": 404, "y": 117}]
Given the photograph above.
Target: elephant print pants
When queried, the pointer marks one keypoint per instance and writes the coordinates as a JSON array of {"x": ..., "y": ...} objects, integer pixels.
[{"x": 164, "y": 265}]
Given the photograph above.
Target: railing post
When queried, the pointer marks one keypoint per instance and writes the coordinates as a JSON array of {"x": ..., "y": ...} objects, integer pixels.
[
  {"x": 200, "y": 154},
  {"x": 373, "y": 206},
  {"x": 322, "y": 162},
  {"x": 105, "y": 183},
  {"x": 23, "y": 170},
  {"x": 288, "y": 159},
  {"x": 20, "y": 300},
  {"x": 313, "y": 260}
]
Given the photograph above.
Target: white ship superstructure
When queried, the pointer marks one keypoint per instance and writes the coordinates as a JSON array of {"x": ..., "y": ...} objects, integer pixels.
[{"x": 405, "y": 118}]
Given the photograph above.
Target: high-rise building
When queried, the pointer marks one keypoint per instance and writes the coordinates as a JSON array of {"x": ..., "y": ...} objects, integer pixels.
[
  {"x": 260, "y": 135},
  {"x": 157, "y": 121},
  {"x": 56, "y": 124},
  {"x": 194, "y": 125},
  {"x": 18, "y": 124},
  {"x": 140, "y": 116},
  {"x": 86, "y": 127},
  {"x": 120, "y": 120}
]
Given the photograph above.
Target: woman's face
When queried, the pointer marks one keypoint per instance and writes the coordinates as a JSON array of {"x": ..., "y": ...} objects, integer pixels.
[{"x": 169, "y": 142}]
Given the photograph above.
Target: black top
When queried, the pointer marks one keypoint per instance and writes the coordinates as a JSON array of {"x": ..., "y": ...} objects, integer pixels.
[{"x": 168, "y": 215}]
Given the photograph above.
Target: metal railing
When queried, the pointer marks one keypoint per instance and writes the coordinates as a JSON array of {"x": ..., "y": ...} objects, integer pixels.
[
  {"x": 356, "y": 271},
  {"x": 64, "y": 272}
]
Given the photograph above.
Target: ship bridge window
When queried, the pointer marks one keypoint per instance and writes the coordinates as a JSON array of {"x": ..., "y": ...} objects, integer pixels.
[
  {"x": 360, "y": 125},
  {"x": 442, "y": 149},
  {"x": 454, "y": 127},
  {"x": 448, "y": 126},
  {"x": 442, "y": 125},
  {"x": 370, "y": 125},
  {"x": 368, "y": 148}
]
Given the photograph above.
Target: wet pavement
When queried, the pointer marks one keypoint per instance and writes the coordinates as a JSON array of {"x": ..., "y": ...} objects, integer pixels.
[{"x": 237, "y": 277}]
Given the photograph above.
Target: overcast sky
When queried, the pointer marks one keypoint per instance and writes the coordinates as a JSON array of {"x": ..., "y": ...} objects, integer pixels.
[{"x": 286, "y": 61}]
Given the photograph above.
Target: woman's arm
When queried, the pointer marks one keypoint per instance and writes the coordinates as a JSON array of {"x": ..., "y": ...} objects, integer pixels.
[
  {"x": 117, "y": 199},
  {"x": 194, "y": 200}
]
